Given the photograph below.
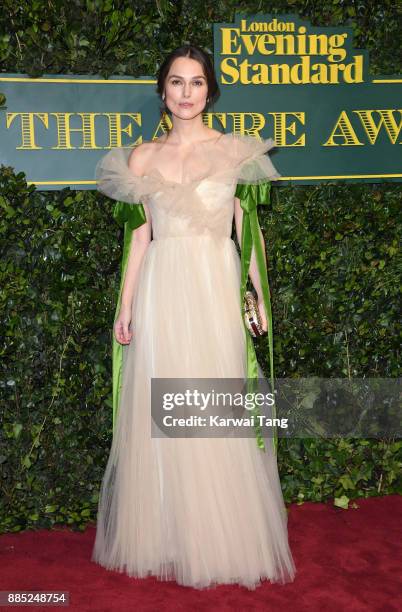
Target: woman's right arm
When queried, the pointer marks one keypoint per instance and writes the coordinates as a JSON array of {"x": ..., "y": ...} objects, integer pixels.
[{"x": 140, "y": 239}]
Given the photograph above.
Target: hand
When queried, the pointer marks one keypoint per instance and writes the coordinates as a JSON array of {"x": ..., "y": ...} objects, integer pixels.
[
  {"x": 262, "y": 314},
  {"x": 122, "y": 331}
]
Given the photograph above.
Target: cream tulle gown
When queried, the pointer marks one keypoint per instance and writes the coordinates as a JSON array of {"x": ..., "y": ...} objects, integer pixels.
[{"x": 201, "y": 511}]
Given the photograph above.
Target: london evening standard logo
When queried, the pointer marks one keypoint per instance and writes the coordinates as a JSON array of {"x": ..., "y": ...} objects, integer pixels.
[{"x": 281, "y": 52}]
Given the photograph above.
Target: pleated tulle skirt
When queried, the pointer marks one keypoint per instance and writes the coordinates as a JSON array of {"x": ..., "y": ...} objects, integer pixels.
[{"x": 201, "y": 511}]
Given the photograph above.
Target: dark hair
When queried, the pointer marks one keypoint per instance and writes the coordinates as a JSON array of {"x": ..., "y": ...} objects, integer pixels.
[{"x": 196, "y": 53}]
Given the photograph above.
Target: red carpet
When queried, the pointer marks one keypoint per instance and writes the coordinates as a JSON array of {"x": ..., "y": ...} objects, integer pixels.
[{"x": 346, "y": 560}]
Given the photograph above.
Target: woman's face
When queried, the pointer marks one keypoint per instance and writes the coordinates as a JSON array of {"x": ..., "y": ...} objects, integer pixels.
[{"x": 186, "y": 88}]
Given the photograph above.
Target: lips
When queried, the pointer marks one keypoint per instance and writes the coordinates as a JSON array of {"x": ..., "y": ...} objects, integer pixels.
[{"x": 185, "y": 104}]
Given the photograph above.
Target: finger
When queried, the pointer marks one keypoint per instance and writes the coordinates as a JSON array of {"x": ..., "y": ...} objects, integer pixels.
[
  {"x": 119, "y": 333},
  {"x": 119, "y": 336},
  {"x": 127, "y": 333}
]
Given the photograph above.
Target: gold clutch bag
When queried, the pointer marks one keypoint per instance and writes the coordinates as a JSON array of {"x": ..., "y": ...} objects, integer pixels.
[{"x": 252, "y": 315}]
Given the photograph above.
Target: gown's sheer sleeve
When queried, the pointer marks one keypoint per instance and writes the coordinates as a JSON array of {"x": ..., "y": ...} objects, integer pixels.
[
  {"x": 115, "y": 179},
  {"x": 253, "y": 164}
]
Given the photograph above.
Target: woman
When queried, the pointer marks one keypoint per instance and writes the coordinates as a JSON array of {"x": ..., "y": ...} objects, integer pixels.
[{"x": 209, "y": 510}]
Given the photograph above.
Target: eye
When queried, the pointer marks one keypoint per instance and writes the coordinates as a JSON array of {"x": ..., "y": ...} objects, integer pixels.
[
  {"x": 199, "y": 82},
  {"x": 173, "y": 81}
]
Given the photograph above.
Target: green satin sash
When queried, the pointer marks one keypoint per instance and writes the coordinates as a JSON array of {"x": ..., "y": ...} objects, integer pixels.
[
  {"x": 133, "y": 216},
  {"x": 250, "y": 196}
]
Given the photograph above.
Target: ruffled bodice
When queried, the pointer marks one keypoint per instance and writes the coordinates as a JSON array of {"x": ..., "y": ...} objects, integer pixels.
[{"x": 203, "y": 202}]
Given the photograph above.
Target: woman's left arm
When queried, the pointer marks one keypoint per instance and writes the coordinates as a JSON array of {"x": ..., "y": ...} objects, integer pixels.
[{"x": 253, "y": 271}]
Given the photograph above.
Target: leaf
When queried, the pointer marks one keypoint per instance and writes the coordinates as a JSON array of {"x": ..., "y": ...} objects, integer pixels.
[
  {"x": 17, "y": 428},
  {"x": 342, "y": 502}
]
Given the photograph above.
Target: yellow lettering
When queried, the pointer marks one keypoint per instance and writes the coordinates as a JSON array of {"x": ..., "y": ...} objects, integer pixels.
[
  {"x": 28, "y": 128},
  {"x": 64, "y": 130},
  {"x": 386, "y": 119},
  {"x": 116, "y": 130},
  {"x": 229, "y": 40},
  {"x": 346, "y": 132},
  {"x": 281, "y": 128}
]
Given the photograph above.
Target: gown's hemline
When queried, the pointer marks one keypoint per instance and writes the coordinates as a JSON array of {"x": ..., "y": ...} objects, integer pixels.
[{"x": 171, "y": 576}]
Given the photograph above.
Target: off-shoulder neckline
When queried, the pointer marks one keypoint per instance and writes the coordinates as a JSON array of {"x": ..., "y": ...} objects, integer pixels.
[
  {"x": 115, "y": 179},
  {"x": 156, "y": 171}
]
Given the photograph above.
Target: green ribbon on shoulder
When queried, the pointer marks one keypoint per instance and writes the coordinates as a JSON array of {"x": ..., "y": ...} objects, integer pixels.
[
  {"x": 250, "y": 195},
  {"x": 133, "y": 216}
]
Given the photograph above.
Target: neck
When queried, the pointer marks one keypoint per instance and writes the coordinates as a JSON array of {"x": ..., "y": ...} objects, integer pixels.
[{"x": 184, "y": 132}]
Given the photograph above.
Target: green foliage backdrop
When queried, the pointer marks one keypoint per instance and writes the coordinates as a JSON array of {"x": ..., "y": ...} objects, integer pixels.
[{"x": 333, "y": 255}]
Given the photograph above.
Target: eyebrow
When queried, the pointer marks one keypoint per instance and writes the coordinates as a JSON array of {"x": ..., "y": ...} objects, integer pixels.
[{"x": 200, "y": 76}]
